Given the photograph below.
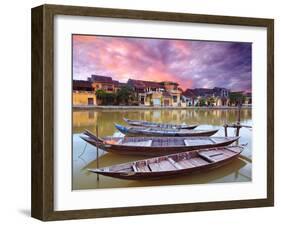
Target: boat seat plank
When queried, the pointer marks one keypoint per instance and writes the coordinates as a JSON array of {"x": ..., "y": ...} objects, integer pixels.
[
  {"x": 175, "y": 164},
  {"x": 166, "y": 166},
  {"x": 144, "y": 168},
  {"x": 218, "y": 155},
  {"x": 210, "y": 153},
  {"x": 145, "y": 143},
  {"x": 155, "y": 167},
  {"x": 195, "y": 142},
  {"x": 218, "y": 139},
  {"x": 208, "y": 158},
  {"x": 134, "y": 168},
  {"x": 128, "y": 168},
  {"x": 227, "y": 152},
  {"x": 198, "y": 161},
  {"x": 186, "y": 164}
]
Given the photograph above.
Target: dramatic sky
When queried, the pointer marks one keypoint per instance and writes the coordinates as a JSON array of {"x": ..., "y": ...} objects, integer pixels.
[{"x": 193, "y": 64}]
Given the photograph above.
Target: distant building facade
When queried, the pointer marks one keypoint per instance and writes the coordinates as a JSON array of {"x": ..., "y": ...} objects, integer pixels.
[
  {"x": 104, "y": 83},
  {"x": 211, "y": 97},
  {"x": 150, "y": 93},
  {"x": 248, "y": 98},
  {"x": 83, "y": 93},
  {"x": 241, "y": 97}
]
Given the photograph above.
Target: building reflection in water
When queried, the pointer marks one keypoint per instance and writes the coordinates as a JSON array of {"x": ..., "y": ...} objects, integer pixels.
[{"x": 106, "y": 118}]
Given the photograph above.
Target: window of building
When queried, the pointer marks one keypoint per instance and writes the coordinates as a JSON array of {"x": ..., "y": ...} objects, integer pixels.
[
  {"x": 142, "y": 99},
  {"x": 90, "y": 101},
  {"x": 175, "y": 99}
]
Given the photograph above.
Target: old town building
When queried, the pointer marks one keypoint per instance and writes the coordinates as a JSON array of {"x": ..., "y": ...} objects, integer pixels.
[
  {"x": 152, "y": 93},
  {"x": 211, "y": 97},
  {"x": 83, "y": 93}
]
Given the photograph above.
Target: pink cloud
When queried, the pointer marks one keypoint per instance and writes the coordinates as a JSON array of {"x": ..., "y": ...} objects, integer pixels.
[{"x": 156, "y": 60}]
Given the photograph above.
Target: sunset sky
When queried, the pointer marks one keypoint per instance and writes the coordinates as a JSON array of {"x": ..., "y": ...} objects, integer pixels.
[{"x": 192, "y": 64}]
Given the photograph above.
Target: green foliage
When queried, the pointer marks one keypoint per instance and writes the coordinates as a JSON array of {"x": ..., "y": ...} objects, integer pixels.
[
  {"x": 106, "y": 98},
  {"x": 100, "y": 94},
  {"x": 202, "y": 101},
  {"x": 126, "y": 95},
  {"x": 236, "y": 98},
  {"x": 211, "y": 101}
]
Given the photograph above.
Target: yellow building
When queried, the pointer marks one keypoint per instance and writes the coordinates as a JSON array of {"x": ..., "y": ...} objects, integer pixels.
[
  {"x": 151, "y": 93},
  {"x": 83, "y": 93},
  {"x": 174, "y": 91},
  {"x": 104, "y": 83}
]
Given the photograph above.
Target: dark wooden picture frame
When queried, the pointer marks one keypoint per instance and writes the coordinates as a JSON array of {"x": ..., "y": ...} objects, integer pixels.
[{"x": 42, "y": 203}]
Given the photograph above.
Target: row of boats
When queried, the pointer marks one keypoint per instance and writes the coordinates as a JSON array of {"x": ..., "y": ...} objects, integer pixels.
[{"x": 177, "y": 149}]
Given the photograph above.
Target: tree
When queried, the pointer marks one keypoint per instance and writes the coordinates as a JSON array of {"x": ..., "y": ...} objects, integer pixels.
[
  {"x": 101, "y": 95},
  {"x": 202, "y": 101},
  {"x": 236, "y": 98},
  {"x": 211, "y": 101},
  {"x": 105, "y": 98},
  {"x": 126, "y": 95}
]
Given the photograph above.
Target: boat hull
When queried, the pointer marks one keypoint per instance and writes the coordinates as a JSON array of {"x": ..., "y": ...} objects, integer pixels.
[
  {"x": 199, "y": 134},
  {"x": 131, "y": 175},
  {"x": 155, "y": 151},
  {"x": 139, "y": 131},
  {"x": 164, "y": 175},
  {"x": 158, "y": 125}
]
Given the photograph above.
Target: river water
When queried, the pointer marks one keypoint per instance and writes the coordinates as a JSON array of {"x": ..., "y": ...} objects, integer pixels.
[{"x": 84, "y": 156}]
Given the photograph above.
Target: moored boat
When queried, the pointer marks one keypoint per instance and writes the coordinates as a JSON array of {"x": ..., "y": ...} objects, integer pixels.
[
  {"x": 172, "y": 165},
  {"x": 158, "y": 125},
  {"x": 155, "y": 146},
  {"x": 149, "y": 131}
]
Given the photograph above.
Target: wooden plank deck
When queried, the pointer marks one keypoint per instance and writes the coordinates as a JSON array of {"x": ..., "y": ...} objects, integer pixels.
[
  {"x": 195, "y": 142},
  {"x": 154, "y": 167},
  {"x": 175, "y": 164},
  {"x": 166, "y": 165},
  {"x": 146, "y": 143},
  {"x": 186, "y": 164},
  {"x": 144, "y": 168},
  {"x": 119, "y": 168},
  {"x": 217, "y": 155},
  {"x": 198, "y": 161}
]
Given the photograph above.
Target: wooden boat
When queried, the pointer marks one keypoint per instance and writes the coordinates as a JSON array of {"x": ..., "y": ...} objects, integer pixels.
[
  {"x": 160, "y": 125},
  {"x": 172, "y": 165},
  {"x": 155, "y": 146},
  {"x": 148, "y": 131}
]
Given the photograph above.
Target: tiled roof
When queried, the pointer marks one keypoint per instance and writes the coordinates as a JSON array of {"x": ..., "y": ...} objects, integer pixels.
[
  {"x": 188, "y": 93},
  {"x": 203, "y": 92},
  {"x": 99, "y": 78},
  {"x": 169, "y": 83},
  {"x": 81, "y": 85},
  {"x": 140, "y": 84}
]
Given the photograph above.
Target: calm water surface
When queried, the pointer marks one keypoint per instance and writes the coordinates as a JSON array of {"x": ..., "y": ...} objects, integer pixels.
[{"x": 84, "y": 156}]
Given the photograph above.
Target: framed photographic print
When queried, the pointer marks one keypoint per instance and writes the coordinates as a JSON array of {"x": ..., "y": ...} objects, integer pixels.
[{"x": 141, "y": 112}]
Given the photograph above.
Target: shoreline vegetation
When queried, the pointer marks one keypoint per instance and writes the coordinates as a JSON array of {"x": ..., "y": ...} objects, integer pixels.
[{"x": 89, "y": 107}]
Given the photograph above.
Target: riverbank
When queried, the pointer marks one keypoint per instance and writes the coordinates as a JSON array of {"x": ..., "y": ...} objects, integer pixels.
[{"x": 89, "y": 107}]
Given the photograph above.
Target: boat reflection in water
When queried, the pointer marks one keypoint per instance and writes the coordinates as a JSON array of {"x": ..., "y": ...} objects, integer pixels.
[{"x": 239, "y": 170}]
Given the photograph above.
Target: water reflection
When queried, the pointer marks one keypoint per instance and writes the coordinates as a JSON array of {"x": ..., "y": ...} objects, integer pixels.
[
  {"x": 84, "y": 155},
  {"x": 105, "y": 118}
]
